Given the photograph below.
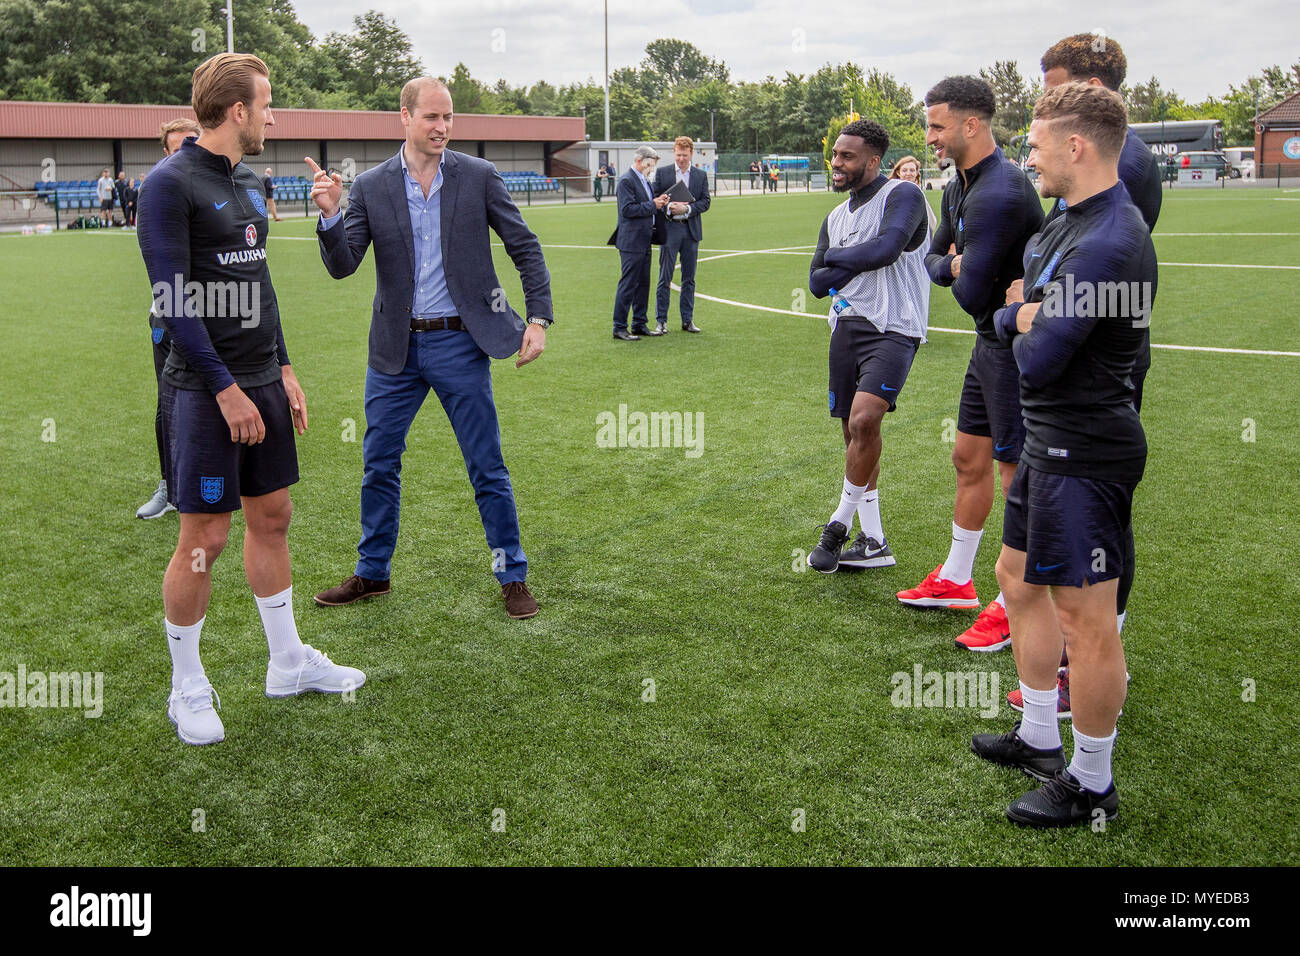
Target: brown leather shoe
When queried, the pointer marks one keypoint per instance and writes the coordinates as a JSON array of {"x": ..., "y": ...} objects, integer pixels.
[
  {"x": 352, "y": 589},
  {"x": 520, "y": 602}
]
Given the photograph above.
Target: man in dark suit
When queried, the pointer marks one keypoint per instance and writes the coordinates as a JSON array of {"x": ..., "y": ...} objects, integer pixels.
[
  {"x": 683, "y": 233},
  {"x": 439, "y": 313},
  {"x": 638, "y": 213}
]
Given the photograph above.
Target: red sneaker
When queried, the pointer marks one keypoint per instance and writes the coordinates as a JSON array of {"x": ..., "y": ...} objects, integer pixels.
[
  {"x": 990, "y": 632},
  {"x": 935, "y": 591},
  {"x": 1017, "y": 700}
]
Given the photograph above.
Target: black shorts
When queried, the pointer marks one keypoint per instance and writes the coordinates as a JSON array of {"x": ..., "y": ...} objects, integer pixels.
[
  {"x": 864, "y": 359},
  {"x": 207, "y": 472},
  {"x": 990, "y": 401},
  {"x": 1071, "y": 529},
  {"x": 105, "y": 205}
]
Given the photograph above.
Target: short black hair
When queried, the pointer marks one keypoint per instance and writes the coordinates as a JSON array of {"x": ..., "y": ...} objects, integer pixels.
[
  {"x": 870, "y": 132},
  {"x": 964, "y": 94}
]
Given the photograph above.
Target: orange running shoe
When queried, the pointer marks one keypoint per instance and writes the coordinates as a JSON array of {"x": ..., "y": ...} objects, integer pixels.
[
  {"x": 1017, "y": 699},
  {"x": 935, "y": 591},
  {"x": 990, "y": 632}
]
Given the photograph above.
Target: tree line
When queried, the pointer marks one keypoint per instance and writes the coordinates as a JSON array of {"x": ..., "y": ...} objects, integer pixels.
[{"x": 144, "y": 51}]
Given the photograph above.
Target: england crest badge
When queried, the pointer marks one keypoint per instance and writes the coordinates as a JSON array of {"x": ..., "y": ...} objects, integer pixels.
[
  {"x": 212, "y": 489},
  {"x": 259, "y": 201}
]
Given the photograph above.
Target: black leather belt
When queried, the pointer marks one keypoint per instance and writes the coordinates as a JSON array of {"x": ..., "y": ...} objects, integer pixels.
[{"x": 434, "y": 325}]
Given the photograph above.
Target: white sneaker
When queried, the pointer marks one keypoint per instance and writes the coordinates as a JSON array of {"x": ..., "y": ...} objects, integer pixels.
[
  {"x": 317, "y": 672},
  {"x": 191, "y": 710}
]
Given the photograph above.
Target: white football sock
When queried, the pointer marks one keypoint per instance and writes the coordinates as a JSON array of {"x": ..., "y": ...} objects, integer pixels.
[
  {"x": 849, "y": 499},
  {"x": 1091, "y": 763},
  {"x": 281, "y": 631},
  {"x": 183, "y": 644},
  {"x": 869, "y": 515},
  {"x": 1038, "y": 726},
  {"x": 1119, "y": 621},
  {"x": 1002, "y": 602},
  {"x": 961, "y": 556}
]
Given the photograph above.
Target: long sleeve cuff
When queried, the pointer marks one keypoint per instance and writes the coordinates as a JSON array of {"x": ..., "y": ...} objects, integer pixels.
[
  {"x": 1004, "y": 323},
  {"x": 329, "y": 223}
]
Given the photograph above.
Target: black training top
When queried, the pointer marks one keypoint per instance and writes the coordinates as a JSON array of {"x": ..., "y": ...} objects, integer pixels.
[
  {"x": 1139, "y": 171},
  {"x": 202, "y": 230},
  {"x": 989, "y": 213},
  {"x": 902, "y": 229},
  {"x": 1093, "y": 270}
]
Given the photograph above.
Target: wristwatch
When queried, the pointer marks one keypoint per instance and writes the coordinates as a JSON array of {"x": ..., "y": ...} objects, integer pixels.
[{"x": 545, "y": 323}]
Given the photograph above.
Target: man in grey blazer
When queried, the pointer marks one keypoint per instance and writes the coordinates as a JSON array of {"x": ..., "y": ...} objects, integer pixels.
[
  {"x": 439, "y": 313},
  {"x": 683, "y": 233}
]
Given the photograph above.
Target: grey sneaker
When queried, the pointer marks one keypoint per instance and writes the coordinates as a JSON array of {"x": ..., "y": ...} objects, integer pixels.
[
  {"x": 867, "y": 552},
  {"x": 158, "y": 505}
]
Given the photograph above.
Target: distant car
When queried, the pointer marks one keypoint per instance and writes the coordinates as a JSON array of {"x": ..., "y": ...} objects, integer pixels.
[
  {"x": 1241, "y": 161},
  {"x": 1198, "y": 159}
]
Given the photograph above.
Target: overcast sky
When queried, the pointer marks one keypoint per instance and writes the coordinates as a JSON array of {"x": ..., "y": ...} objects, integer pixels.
[{"x": 1195, "y": 47}]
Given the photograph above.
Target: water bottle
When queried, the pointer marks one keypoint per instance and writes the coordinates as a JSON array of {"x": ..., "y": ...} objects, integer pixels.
[{"x": 838, "y": 302}]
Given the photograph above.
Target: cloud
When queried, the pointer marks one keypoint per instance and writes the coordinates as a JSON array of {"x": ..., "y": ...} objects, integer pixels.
[{"x": 1197, "y": 48}]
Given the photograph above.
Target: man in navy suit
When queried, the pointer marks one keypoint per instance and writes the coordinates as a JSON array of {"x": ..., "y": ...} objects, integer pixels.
[
  {"x": 439, "y": 313},
  {"x": 638, "y": 212},
  {"x": 683, "y": 234}
]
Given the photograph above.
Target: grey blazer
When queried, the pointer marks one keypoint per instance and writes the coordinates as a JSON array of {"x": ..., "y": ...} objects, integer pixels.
[{"x": 474, "y": 198}]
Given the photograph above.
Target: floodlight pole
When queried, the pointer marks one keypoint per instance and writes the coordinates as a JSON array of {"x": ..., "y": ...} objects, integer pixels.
[
  {"x": 607, "y": 71},
  {"x": 230, "y": 26}
]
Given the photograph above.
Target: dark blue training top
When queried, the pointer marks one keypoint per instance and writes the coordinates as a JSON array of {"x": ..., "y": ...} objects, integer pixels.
[
  {"x": 989, "y": 213},
  {"x": 1139, "y": 171},
  {"x": 203, "y": 221},
  {"x": 1094, "y": 271}
]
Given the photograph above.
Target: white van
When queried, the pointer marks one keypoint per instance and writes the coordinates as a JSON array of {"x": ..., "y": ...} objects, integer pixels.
[{"x": 1241, "y": 161}]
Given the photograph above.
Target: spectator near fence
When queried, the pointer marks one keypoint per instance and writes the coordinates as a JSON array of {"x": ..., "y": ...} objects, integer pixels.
[
  {"x": 268, "y": 184},
  {"x": 104, "y": 193}
]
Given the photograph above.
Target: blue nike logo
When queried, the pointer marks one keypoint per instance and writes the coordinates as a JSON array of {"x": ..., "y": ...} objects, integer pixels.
[
  {"x": 219, "y": 205},
  {"x": 1003, "y": 447},
  {"x": 1035, "y": 255},
  {"x": 887, "y": 388},
  {"x": 1051, "y": 567}
]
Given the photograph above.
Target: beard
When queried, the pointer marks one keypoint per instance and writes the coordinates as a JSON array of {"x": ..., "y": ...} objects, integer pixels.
[
  {"x": 1054, "y": 187},
  {"x": 249, "y": 143}
]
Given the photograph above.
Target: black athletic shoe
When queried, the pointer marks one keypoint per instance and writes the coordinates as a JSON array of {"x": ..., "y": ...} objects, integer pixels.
[
  {"x": 1062, "y": 802},
  {"x": 1011, "y": 751},
  {"x": 826, "y": 556},
  {"x": 867, "y": 552}
]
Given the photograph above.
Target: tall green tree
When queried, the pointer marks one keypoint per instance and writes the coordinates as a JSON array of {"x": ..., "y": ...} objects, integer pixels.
[
  {"x": 104, "y": 51},
  {"x": 1014, "y": 96}
]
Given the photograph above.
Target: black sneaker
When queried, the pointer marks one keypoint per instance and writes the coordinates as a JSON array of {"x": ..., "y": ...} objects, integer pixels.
[
  {"x": 1011, "y": 751},
  {"x": 867, "y": 552},
  {"x": 826, "y": 556},
  {"x": 1062, "y": 802}
]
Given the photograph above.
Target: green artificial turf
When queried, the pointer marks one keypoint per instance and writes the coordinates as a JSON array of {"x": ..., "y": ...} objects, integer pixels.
[{"x": 771, "y": 687}]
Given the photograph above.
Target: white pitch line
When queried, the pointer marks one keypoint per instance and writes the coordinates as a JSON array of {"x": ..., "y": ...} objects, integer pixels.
[
  {"x": 1224, "y": 265},
  {"x": 936, "y": 328}
]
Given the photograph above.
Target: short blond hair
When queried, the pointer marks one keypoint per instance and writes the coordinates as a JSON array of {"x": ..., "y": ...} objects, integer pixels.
[
  {"x": 182, "y": 125},
  {"x": 684, "y": 141},
  {"x": 413, "y": 88},
  {"x": 1093, "y": 112},
  {"x": 222, "y": 81}
]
